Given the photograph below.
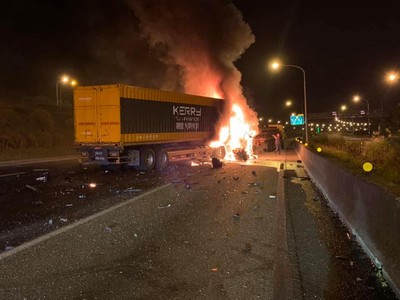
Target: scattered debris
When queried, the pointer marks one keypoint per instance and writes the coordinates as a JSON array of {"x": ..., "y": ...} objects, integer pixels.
[
  {"x": 108, "y": 229},
  {"x": 214, "y": 270},
  {"x": 39, "y": 202},
  {"x": 135, "y": 235},
  {"x": 240, "y": 154},
  {"x": 69, "y": 205},
  {"x": 245, "y": 192},
  {"x": 235, "y": 177},
  {"x": 299, "y": 161},
  {"x": 254, "y": 173},
  {"x": 236, "y": 216},
  {"x": 31, "y": 188},
  {"x": 50, "y": 222},
  {"x": 63, "y": 220},
  {"x": 340, "y": 257},
  {"x": 216, "y": 163},
  {"x": 169, "y": 205},
  {"x": 272, "y": 196},
  {"x": 82, "y": 196},
  {"x": 42, "y": 178},
  {"x": 247, "y": 248},
  {"x": 8, "y": 248},
  {"x": 188, "y": 186},
  {"x": 132, "y": 190}
]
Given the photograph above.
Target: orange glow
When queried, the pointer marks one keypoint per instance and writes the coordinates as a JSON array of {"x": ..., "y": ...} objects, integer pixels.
[{"x": 237, "y": 134}]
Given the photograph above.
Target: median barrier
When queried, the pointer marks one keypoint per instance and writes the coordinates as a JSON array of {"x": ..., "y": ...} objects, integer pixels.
[{"x": 370, "y": 212}]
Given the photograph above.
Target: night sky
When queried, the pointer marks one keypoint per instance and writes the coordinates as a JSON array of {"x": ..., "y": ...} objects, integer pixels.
[{"x": 345, "y": 47}]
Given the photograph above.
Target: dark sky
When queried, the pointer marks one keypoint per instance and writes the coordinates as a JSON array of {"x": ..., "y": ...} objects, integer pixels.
[{"x": 345, "y": 47}]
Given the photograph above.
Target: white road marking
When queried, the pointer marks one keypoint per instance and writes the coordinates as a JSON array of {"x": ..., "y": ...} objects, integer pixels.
[
  {"x": 12, "y": 174},
  {"x": 75, "y": 224}
]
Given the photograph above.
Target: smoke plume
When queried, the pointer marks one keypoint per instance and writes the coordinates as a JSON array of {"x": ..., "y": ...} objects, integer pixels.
[{"x": 198, "y": 41}]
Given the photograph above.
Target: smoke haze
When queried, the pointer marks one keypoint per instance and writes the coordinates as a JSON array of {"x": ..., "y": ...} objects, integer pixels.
[{"x": 198, "y": 41}]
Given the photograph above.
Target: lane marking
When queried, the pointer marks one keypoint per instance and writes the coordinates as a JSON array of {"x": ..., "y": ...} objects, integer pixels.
[
  {"x": 76, "y": 224},
  {"x": 12, "y": 174}
]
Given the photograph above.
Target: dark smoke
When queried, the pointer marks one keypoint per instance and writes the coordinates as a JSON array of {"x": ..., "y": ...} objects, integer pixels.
[{"x": 198, "y": 41}]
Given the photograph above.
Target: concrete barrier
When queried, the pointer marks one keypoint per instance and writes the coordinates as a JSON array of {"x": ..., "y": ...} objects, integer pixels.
[{"x": 370, "y": 212}]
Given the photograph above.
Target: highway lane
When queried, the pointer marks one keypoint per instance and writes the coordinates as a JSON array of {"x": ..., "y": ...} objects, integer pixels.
[{"x": 254, "y": 230}]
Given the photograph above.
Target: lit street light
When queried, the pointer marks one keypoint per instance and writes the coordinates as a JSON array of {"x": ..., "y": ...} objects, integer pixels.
[
  {"x": 63, "y": 80},
  {"x": 356, "y": 99},
  {"x": 343, "y": 107},
  {"x": 276, "y": 66},
  {"x": 288, "y": 103}
]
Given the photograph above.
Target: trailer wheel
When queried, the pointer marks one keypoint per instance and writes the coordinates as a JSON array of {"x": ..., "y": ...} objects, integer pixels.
[
  {"x": 147, "y": 159},
  {"x": 162, "y": 158}
]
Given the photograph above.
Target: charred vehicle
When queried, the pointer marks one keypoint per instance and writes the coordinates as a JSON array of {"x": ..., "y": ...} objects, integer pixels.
[{"x": 141, "y": 127}]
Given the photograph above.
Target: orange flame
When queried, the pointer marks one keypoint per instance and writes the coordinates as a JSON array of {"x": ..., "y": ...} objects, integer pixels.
[{"x": 237, "y": 134}]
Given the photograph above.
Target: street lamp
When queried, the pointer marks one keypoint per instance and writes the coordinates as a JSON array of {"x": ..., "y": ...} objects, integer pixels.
[
  {"x": 356, "y": 99},
  {"x": 288, "y": 103},
  {"x": 63, "y": 80},
  {"x": 343, "y": 107},
  {"x": 276, "y": 66}
]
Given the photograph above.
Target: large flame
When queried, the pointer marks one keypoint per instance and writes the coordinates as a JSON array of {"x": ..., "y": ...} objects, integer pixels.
[{"x": 236, "y": 135}]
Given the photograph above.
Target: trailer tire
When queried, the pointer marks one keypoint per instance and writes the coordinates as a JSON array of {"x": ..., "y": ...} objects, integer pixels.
[
  {"x": 147, "y": 159},
  {"x": 162, "y": 159}
]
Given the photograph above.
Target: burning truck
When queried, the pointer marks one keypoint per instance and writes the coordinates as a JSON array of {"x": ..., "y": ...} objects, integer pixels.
[{"x": 144, "y": 128}]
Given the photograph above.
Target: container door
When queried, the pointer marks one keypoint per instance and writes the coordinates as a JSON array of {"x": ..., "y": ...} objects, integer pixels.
[
  {"x": 97, "y": 114},
  {"x": 108, "y": 114},
  {"x": 86, "y": 131}
]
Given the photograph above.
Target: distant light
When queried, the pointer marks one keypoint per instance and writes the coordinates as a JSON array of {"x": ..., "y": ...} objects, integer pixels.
[
  {"x": 92, "y": 185},
  {"x": 275, "y": 65},
  {"x": 392, "y": 77},
  {"x": 343, "y": 107},
  {"x": 260, "y": 119},
  {"x": 269, "y": 120},
  {"x": 319, "y": 149},
  {"x": 73, "y": 82}
]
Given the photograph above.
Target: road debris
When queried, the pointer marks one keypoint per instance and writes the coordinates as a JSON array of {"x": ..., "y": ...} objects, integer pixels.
[
  {"x": 214, "y": 270},
  {"x": 8, "y": 248},
  {"x": 240, "y": 154},
  {"x": 42, "y": 178},
  {"x": 82, "y": 196},
  {"x": 132, "y": 190},
  {"x": 50, "y": 222},
  {"x": 31, "y": 188},
  {"x": 188, "y": 186},
  {"x": 39, "y": 202},
  {"x": 254, "y": 173},
  {"x": 247, "y": 248},
  {"x": 236, "y": 216},
  {"x": 235, "y": 177},
  {"x": 216, "y": 163},
  {"x": 169, "y": 205},
  {"x": 69, "y": 205},
  {"x": 63, "y": 220},
  {"x": 272, "y": 196}
]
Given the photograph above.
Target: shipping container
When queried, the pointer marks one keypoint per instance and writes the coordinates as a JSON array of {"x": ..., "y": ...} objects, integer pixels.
[{"x": 142, "y": 127}]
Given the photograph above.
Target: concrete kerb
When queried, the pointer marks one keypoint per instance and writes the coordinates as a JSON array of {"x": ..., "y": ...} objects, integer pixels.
[{"x": 369, "y": 211}]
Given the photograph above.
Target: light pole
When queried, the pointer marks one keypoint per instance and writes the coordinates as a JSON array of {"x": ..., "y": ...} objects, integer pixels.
[
  {"x": 276, "y": 66},
  {"x": 63, "y": 80},
  {"x": 356, "y": 99}
]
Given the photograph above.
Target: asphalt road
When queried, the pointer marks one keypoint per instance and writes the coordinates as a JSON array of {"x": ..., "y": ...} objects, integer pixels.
[{"x": 256, "y": 230}]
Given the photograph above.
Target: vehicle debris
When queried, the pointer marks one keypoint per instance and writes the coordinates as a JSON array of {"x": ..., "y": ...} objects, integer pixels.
[
  {"x": 169, "y": 205},
  {"x": 241, "y": 154},
  {"x": 8, "y": 248},
  {"x": 216, "y": 163},
  {"x": 254, "y": 173},
  {"x": 42, "y": 178},
  {"x": 63, "y": 220},
  {"x": 236, "y": 216},
  {"x": 235, "y": 177},
  {"x": 272, "y": 196},
  {"x": 214, "y": 270},
  {"x": 31, "y": 188}
]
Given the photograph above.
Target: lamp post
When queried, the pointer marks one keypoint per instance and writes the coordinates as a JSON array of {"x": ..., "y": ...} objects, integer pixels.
[
  {"x": 356, "y": 99},
  {"x": 63, "y": 80},
  {"x": 276, "y": 66}
]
